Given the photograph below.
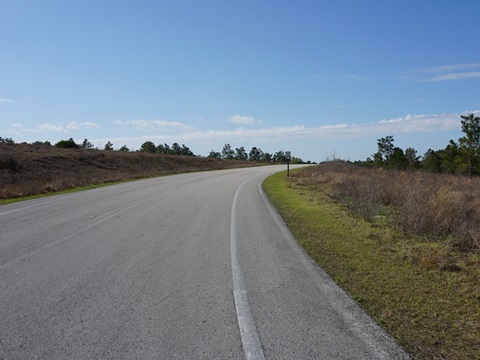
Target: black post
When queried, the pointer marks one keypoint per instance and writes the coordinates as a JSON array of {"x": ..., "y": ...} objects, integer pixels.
[{"x": 288, "y": 157}]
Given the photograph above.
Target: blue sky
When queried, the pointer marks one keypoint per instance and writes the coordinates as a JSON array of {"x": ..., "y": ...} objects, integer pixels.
[{"x": 319, "y": 78}]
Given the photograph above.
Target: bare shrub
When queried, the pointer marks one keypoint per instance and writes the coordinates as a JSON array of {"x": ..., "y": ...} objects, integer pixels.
[
  {"x": 425, "y": 204},
  {"x": 430, "y": 258},
  {"x": 443, "y": 206}
]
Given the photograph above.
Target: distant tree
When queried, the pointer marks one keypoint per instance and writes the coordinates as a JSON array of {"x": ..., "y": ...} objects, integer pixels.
[
  {"x": 163, "y": 149},
  {"x": 227, "y": 152},
  {"x": 385, "y": 151},
  {"x": 432, "y": 161},
  {"x": 470, "y": 143},
  {"x": 397, "y": 159},
  {"x": 296, "y": 160},
  {"x": 391, "y": 157},
  {"x": 42, "y": 143},
  {"x": 214, "y": 154},
  {"x": 108, "y": 146},
  {"x": 367, "y": 163},
  {"x": 279, "y": 157},
  {"x": 186, "y": 151},
  {"x": 86, "y": 144},
  {"x": 176, "y": 149},
  {"x": 267, "y": 157},
  {"x": 412, "y": 159},
  {"x": 451, "y": 159},
  {"x": 6, "y": 140},
  {"x": 385, "y": 146},
  {"x": 124, "y": 148},
  {"x": 67, "y": 144},
  {"x": 255, "y": 154},
  {"x": 241, "y": 154},
  {"x": 148, "y": 147},
  {"x": 167, "y": 149}
]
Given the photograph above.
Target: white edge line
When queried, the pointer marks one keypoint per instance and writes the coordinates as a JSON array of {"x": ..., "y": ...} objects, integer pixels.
[{"x": 251, "y": 345}]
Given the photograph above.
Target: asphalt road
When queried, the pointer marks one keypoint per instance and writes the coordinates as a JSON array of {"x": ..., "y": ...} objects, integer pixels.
[{"x": 193, "y": 266}]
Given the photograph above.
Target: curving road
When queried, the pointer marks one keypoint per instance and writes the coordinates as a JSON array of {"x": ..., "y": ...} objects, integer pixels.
[{"x": 193, "y": 266}]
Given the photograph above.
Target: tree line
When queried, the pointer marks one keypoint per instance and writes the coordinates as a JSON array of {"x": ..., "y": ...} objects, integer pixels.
[
  {"x": 70, "y": 144},
  {"x": 255, "y": 154},
  {"x": 461, "y": 157}
]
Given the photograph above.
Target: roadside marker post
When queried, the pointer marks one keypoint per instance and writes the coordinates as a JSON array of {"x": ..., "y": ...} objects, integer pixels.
[{"x": 288, "y": 157}]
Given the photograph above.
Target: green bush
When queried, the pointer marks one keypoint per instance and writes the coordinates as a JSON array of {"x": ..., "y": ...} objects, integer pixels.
[{"x": 67, "y": 144}]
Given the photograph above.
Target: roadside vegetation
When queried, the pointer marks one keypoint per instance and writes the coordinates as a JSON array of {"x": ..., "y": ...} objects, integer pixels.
[
  {"x": 458, "y": 157},
  {"x": 27, "y": 169},
  {"x": 41, "y": 168},
  {"x": 404, "y": 245}
]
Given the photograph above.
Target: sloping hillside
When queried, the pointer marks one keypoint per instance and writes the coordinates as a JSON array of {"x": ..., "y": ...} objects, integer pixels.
[{"x": 35, "y": 169}]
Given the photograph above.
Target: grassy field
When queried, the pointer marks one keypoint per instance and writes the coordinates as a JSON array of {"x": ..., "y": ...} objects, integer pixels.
[
  {"x": 35, "y": 170},
  {"x": 423, "y": 290}
]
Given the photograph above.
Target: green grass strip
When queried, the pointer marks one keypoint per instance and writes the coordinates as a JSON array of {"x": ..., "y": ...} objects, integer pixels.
[{"x": 432, "y": 314}]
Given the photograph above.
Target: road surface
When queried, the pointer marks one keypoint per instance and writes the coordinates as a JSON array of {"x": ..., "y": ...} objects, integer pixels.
[{"x": 191, "y": 266}]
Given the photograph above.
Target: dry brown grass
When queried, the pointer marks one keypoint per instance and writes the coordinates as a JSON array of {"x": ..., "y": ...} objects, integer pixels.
[
  {"x": 424, "y": 290},
  {"x": 429, "y": 205},
  {"x": 32, "y": 170}
]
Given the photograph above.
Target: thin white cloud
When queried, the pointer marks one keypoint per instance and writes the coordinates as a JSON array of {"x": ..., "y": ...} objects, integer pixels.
[
  {"x": 451, "y": 68},
  {"x": 346, "y": 77},
  {"x": 5, "y": 100},
  {"x": 414, "y": 101},
  {"x": 449, "y": 72},
  {"x": 143, "y": 125},
  {"x": 408, "y": 124},
  {"x": 47, "y": 127},
  {"x": 420, "y": 123},
  {"x": 242, "y": 133},
  {"x": 72, "y": 125},
  {"x": 243, "y": 120},
  {"x": 354, "y": 77},
  {"x": 417, "y": 123},
  {"x": 90, "y": 125},
  {"x": 333, "y": 107},
  {"x": 453, "y": 76},
  {"x": 170, "y": 132}
]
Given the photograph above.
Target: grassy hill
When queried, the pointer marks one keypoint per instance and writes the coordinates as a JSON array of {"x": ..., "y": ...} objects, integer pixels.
[{"x": 27, "y": 170}]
